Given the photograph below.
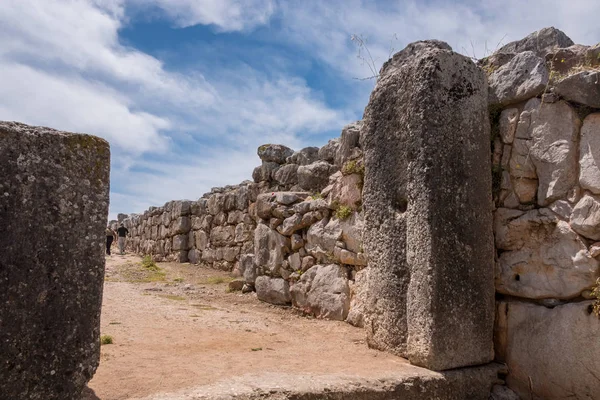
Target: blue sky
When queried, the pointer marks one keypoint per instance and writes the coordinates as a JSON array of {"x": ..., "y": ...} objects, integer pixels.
[{"x": 186, "y": 90}]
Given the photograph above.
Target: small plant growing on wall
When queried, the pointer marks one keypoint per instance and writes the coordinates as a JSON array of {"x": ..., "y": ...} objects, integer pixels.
[
  {"x": 343, "y": 212},
  {"x": 596, "y": 296}
]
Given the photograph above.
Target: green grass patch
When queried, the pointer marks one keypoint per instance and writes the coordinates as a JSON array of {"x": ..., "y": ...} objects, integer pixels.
[
  {"x": 256, "y": 349},
  {"x": 343, "y": 212},
  {"x": 215, "y": 280},
  {"x": 106, "y": 339}
]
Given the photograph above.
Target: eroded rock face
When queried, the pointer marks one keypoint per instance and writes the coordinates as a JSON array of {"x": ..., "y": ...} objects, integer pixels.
[
  {"x": 50, "y": 290},
  {"x": 275, "y": 153},
  {"x": 585, "y": 218},
  {"x": 425, "y": 97},
  {"x": 315, "y": 176},
  {"x": 540, "y": 42},
  {"x": 543, "y": 258},
  {"x": 548, "y": 351},
  {"x": 323, "y": 291},
  {"x": 525, "y": 76},
  {"x": 589, "y": 154},
  {"x": 582, "y": 87},
  {"x": 273, "y": 290}
]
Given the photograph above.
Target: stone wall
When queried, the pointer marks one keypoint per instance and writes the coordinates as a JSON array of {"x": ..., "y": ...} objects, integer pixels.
[
  {"x": 54, "y": 190},
  {"x": 545, "y": 105}
]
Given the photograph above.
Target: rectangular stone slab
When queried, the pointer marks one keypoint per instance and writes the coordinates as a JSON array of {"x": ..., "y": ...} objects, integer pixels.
[
  {"x": 428, "y": 209},
  {"x": 54, "y": 191}
]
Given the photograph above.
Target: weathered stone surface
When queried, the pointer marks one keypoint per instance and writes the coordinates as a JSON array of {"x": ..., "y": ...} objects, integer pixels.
[
  {"x": 585, "y": 218},
  {"x": 50, "y": 290},
  {"x": 540, "y": 42},
  {"x": 270, "y": 248},
  {"x": 582, "y": 87},
  {"x": 322, "y": 236},
  {"x": 352, "y": 232},
  {"x": 550, "y": 351},
  {"x": 222, "y": 235},
  {"x": 307, "y": 155},
  {"x": 543, "y": 257},
  {"x": 329, "y": 151},
  {"x": 287, "y": 175},
  {"x": 323, "y": 291},
  {"x": 273, "y": 290},
  {"x": 595, "y": 250},
  {"x": 265, "y": 204},
  {"x": 349, "y": 143},
  {"x": 546, "y": 144},
  {"x": 265, "y": 171},
  {"x": 347, "y": 190},
  {"x": 525, "y": 189},
  {"x": 523, "y": 77},
  {"x": 248, "y": 268},
  {"x": 508, "y": 124},
  {"x": 501, "y": 392},
  {"x": 215, "y": 204},
  {"x": 427, "y": 105},
  {"x": 562, "y": 208},
  {"x": 589, "y": 154},
  {"x": 314, "y": 177},
  {"x": 358, "y": 298},
  {"x": 180, "y": 242},
  {"x": 275, "y": 153},
  {"x": 181, "y": 225}
]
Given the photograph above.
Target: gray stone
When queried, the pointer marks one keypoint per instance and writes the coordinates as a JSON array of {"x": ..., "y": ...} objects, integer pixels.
[
  {"x": 550, "y": 351},
  {"x": 181, "y": 208},
  {"x": 215, "y": 204},
  {"x": 287, "y": 175},
  {"x": 222, "y": 235},
  {"x": 323, "y": 291},
  {"x": 508, "y": 124},
  {"x": 329, "y": 151},
  {"x": 248, "y": 268},
  {"x": 307, "y": 155},
  {"x": 346, "y": 191},
  {"x": 501, "y": 392},
  {"x": 201, "y": 240},
  {"x": 525, "y": 76},
  {"x": 194, "y": 256},
  {"x": 53, "y": 186},
  {"x": 315, "y": 176},
  {"x": 265, "y": 171},
  {"x": 540, "y": 42},
  {"x": 270, "y": 248},
  {"x": 349, "y": 142},
  {"x": 428, "y": 104},
  {"x": 585, "y": 218},
  {"x": 181, "y": 225},
  {"x": 297, "y": 242},
  {"x": 589, "y": 154},
  {"x": 180, "y": 242},
  {"x": 542, "y": 258},
  {"x": 562, "y": 208},
  {"x": 265, "y": 204},
  {"x": 358, "y": 297},
  {"x": 322, "y": 236},
  {"x": 289, "y": 198},
  {"x": 273, "y": 290},
  {"x": 582, "y": 87},
  {"x": 276, "y": 153},
  {"x": 295, "y": 262}
]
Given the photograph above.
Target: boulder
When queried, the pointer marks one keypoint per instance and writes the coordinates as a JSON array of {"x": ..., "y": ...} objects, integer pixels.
[
  {"x": 287, "y": 175},
  {"x": 273, "y": 290},
  {"x": 54, "y": 186},
  {"x": 181, "y": 225},
  {"x": 585, "y": 218},
  {"x": 582, "y": 87},
  {"x": 275, "y": 153},
  {"x": 307, "y": 155},
  {"x": 222, "y": 235},
  {"x": 523, "y": 77},
  {"x": 265, "y": 172},
  {"x": 349, "y": 143},
  {"x": 543, "y": 257},
  {"x": 315, "y": 176},
  {"x": 323, "y": 291},
  {"x": 425, "y": 262},
  {"x": 180, "y": 242},
  {"x": 329, "y": 151},
  {"x": 322, "y": 237},
  {"x": 248, "y": 268},
  {"x": 347, "y": 190},
  {"x": 540, "y": 42},
  {"x": 270, "y": 248},
  {"x": 589, "y": 154},
  {"x": 550, "y": 351}
]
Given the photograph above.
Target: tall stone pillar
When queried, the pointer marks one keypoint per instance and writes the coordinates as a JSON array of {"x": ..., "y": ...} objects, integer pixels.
[
  {"x": 54, "y": 189},
  {"x": 428, "y": 209}
]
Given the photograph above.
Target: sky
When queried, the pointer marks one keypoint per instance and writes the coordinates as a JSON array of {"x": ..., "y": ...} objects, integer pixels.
[{"x": 186, "y": 90}]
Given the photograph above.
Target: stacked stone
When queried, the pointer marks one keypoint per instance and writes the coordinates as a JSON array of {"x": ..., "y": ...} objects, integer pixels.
[{"x": 546, "y": 160}]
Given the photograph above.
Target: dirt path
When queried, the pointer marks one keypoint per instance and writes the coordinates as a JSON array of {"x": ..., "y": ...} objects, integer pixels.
[{"x": 178, "y": 328}]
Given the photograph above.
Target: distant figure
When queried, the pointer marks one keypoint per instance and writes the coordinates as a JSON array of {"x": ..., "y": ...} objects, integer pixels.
[
  {"x": 110, "y": 236},
  {"x": 122, "y": 232}
]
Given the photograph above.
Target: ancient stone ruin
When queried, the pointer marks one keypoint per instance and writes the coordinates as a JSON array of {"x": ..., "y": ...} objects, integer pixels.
[
  {"x": 458, "y": 224},
  {"x": 54, "y": 190}
]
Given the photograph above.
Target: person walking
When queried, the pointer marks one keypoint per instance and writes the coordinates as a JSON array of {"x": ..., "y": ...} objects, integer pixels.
[
  {"x": 110, "y": 236},
  {"x": 122, "y": 232}
]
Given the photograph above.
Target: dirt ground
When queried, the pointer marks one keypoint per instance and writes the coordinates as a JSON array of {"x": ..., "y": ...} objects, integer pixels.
[{"x": 178, "y": 327}]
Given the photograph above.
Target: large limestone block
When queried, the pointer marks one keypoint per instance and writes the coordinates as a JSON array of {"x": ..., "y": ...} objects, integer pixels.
[
  {"x": 315, "y": 176},
  {"x": 222, "y": 235},
  {"x": 273, "y": 290},
  {"x": 546, "y": 147},
  {"x": 349, "y": 143},
  {"x": 428, "y": 219},
  {"x": 541, "y": 42},
  {"x": 589, "y": 154},
  {"x": 287, "y": 175},
  {"x": 552, "y": 353},
  {"x": 323, "y": 291},
  {"x": 305, "y": 156},
  {"x": 523, "y": 77},
  {"x": 265, "y": 172},
  {"x": 585, "y": 218},
  {"x": 346, "y": 190},
  {"x": 329, "y": 151},
  {"x": 322, "y": 237},
  {"x": 54, "y": 189},
  {"x": 276, "y": 153},
  {"x": 582, "y": 87},
  {"x": 270, "y": 248},
  {"x": 543, "y": 257}
]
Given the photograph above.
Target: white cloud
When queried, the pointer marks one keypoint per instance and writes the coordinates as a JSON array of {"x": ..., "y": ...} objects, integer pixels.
[{"x": 226, "y": 15}]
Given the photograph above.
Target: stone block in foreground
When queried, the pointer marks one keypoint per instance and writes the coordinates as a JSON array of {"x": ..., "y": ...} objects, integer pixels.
[
  {"x": 428, "y": 210},
  {"x": 54, "y": 189}
]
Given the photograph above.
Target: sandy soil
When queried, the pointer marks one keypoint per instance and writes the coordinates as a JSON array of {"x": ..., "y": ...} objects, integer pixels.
[{"x": 179, "y": 328}]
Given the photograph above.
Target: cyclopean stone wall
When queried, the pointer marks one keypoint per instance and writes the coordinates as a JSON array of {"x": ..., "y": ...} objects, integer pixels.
[
  {"x": 545, "y": 105},
  {"x": 53, "y": 205}
]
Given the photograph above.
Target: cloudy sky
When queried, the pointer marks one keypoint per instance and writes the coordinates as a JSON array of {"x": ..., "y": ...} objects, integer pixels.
[{"x": 186, "y": 90}]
